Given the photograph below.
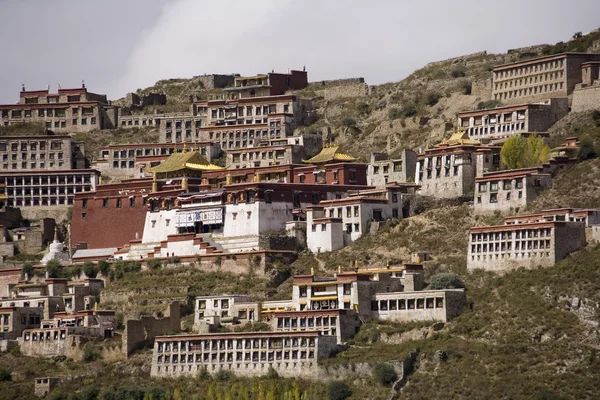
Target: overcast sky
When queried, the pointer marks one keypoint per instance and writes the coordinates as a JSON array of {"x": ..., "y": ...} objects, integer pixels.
[{"x": 118, "y": 46}]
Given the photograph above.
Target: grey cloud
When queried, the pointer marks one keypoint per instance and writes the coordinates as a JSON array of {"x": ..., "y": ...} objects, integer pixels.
[{"x": 120, "y": 46}]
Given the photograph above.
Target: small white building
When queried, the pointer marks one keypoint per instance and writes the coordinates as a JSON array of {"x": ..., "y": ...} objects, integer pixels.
[{"x": 334, "y": 224}]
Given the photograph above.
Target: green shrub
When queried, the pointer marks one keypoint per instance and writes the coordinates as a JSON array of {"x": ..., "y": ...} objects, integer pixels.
[
  {"x": 349, "y": 122},
  {"x": 338, "y": 390},
  {"x": 90, "y": 353},
  {"x": 458, "y": 72},
  {"x": 467, "y": 87},
  {"x": 394, "y": 113},
  {"x": 432, "y": 99},
  {"x": 363, "y": 108},
  {"x": 5, "y": 375},
  {"x": 272, "y": 373},
  {"x": 385, "y": 374},
  {"x": 596, "y": 117},
  {"x": 223, "y": 375},
  {"x": 587, "y": 151},
  {"x": 104, "y": 268},
  {"x": 90, "y": 269},
  {"x": 409, "y": 110},
  {"x": 54, "y": 269},
  {"x": 446, "y": 281},
  {"x": 154, "y": 263},
  {"x": 28, "y": 270},
  {"x": 89, "y": 392}
]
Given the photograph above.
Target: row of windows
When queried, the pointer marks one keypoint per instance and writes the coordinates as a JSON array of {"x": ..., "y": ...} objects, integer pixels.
[
  {"x": 493, "y": 118},
  {"x": 54, "y": 99},
  {"x": 507, "y": 184},
  {"x": 211, "y": 345},
  {"x": 305, "y": 322},
  {"x": 45, "y": 180},
  {"x": 553, "y": 87},
  {"x": 44, "y": 191},
  {"x": 178, "y": 124},
  {"x": 238, "y": 356},
  {"x": 530, "y": 80},
  {"x": 33, "y": 165},
  {"x": 508, "y": 246},
  {"x": 136, "y": 122},
  {"x": 31, "y": 145},
  {"x": 438, "y": 173},
  {"x": 238, "y": 134},
  {"x": 32, "y": 156},
  {"x": 118, "y": 202},
  {"x": 518, "y": 71},
  {"x": 494, "y": 197},
  {"x": 407, "y": 304},
  {"x": 503, "y": 256},
  {"x": 496, "y": 129},
  {"x": 396, "y": 167},
  {"x": 52, "y": 201},
  {"x": 264, "y": 155},
  {"x": 263, "y": 366},
  {"x": 247, "y": 111},
  {"x": 45, "y": 335},
  {"x": 507, "y": 235},
  {"x": 48, "y": 112}
]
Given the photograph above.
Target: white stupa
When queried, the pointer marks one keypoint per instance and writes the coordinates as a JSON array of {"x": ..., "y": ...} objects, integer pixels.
[{"x": 57, "y": 251}]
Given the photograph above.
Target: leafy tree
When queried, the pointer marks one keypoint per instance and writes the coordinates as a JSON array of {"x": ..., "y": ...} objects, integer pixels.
[
  {"x": 338, "y": 390},
  {"x": 28, "y": 270},
  {"x": 446, "y": 281},
  {"x": 587, "y": 151},
  {"x": 90, "y": 270},
  {"x": 104, "y": 268},
  {"x": 54, "y": 269},
  {"x": 385, "y": 373},
  {"x": 90, "y": 353},
  {"x": 520, "y": 152}
]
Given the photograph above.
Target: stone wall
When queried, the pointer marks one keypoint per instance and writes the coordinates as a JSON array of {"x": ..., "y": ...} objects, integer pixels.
[
  {"x": 585, "y": 99},
  {"x": 339, "y": 88},
  {"x": 482, "y": 89},
  {"x": 215, "y": 81},
  {"x": 277, "y": 242},
  {"x": 70, "y": 346},
  {"x": 455, "y": 60},
  {"x": 142, "y": 332}
]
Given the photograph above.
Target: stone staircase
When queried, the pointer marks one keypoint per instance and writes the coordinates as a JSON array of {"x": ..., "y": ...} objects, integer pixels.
[
  {"x": 187, "y": 244},
  {"x": 237, "y": 244}
]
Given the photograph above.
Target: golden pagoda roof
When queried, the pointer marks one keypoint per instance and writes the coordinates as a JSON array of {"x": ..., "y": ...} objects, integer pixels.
[
  {"x": 329, "y": 154},
  {"x": 458, "y": 138},
  {"x": 185, "y": 160}
]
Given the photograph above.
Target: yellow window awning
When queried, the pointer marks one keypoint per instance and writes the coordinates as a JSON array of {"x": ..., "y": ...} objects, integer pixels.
[{"x": 323, "y": 298}]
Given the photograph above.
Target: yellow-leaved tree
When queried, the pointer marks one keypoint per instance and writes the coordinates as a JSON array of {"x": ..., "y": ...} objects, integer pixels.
[{"x": 520, "y": 152}]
